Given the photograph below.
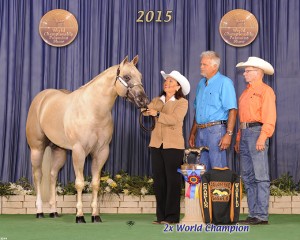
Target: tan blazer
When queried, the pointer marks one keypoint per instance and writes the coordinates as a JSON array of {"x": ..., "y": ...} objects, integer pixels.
[{"x": 168, "y": 126}]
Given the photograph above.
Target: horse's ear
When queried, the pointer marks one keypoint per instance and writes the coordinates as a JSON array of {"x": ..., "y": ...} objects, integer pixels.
[
  {"x": 125, "y": 60},
  {"x": 135, "y": 60}
]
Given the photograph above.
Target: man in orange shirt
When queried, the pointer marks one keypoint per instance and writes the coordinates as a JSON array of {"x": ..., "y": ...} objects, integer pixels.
[{"x": 257, "y": 114}]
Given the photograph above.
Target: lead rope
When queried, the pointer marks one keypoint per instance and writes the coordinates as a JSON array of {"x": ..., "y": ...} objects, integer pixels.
[{"x": 142, "y": 125}]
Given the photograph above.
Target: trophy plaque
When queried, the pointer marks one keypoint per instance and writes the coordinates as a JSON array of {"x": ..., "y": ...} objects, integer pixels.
[
  {"x": 58, "y": 27},
  {"x": 238, "y": 28}
]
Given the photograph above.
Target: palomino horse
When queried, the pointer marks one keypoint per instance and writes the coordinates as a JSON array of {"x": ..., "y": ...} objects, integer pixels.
[{"x": 80, "y": 121}]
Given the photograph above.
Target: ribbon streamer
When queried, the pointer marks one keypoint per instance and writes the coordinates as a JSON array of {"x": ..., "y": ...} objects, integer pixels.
[{"x": 193, "y": 178}]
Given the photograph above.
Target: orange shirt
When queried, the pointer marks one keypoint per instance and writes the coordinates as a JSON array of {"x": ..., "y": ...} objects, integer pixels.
[{"x": 257, "y": 104}]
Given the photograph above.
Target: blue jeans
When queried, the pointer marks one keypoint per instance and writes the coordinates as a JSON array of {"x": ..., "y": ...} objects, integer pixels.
[
  {"x": 211, "y": 137},
  {"x": 255, "y": 173}
]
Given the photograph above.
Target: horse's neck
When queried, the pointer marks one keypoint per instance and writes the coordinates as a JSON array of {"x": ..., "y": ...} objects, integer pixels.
[{"x": 100, "y": 91}]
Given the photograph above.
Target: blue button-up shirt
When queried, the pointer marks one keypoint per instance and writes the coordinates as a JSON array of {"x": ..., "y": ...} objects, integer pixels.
[{"x": 213, "y": 102}]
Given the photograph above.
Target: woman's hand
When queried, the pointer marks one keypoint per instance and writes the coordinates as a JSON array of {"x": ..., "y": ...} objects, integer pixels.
[{"x": 152, "y": 112}]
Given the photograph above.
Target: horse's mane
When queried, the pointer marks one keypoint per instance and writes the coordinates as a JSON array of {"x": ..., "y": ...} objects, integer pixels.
[
  {"x": 65, "y": 91},
  {"x": 98, "y": 76}
]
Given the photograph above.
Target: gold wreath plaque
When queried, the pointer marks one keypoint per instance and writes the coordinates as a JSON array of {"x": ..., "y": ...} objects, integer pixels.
[
  {"x": 238, "y": 28},
  {"x": 58, "y": 27}
]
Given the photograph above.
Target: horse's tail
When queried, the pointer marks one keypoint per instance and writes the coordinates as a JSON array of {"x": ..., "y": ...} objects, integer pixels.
[{"x": 46, "y": 179}]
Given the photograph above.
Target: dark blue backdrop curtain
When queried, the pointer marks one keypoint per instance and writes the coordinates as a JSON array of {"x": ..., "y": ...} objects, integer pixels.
[{"x": 108, "y": 31}]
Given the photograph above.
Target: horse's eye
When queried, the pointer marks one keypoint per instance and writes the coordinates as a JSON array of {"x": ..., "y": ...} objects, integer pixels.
[{"x": 126, "y": 78}]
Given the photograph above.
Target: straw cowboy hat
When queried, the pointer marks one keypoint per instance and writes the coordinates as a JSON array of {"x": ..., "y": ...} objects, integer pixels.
[
  {"x": 184, "y": 83},
  {"x": 258, "y": 63}
]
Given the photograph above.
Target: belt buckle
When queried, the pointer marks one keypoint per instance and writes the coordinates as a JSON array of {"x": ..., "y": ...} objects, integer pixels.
[{"x": 243, "y": 125}]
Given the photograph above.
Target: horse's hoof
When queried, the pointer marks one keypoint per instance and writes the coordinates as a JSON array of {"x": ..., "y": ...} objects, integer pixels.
[
  {"x": 53, "y": 215},
  {"x": 96, "y": 219},
  {"x": 40, "y": 215},
  {"x": 80, "y": 219}
]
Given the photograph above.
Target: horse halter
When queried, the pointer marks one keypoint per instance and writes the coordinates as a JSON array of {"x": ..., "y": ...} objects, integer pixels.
[{"x": 128, "y": 85}]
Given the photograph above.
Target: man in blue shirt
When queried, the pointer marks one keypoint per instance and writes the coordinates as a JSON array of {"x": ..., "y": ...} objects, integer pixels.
[{"x": 215, "y": 112}]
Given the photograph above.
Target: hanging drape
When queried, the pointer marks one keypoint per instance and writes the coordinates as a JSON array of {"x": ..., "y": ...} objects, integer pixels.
[{"x": 108, "y": 32}]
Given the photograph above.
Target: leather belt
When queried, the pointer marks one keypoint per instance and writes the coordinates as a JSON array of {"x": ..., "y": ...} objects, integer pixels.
[
  {"x": 244, "y": 125},
  {"x": 206, "y": 125}
]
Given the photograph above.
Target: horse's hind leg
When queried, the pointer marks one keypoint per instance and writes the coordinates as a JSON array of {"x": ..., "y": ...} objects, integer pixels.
[
  {"x": 36, "y": 161},
  {"x": 37, "y": 142},
  {"x": 59, "y": 157}
]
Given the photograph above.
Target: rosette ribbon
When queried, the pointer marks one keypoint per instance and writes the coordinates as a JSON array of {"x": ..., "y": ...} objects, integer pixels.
[{"x": 192, "y": 177}]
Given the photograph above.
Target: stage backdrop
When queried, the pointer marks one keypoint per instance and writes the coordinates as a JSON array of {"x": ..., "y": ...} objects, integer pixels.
[{"x": 108, "y": 32}]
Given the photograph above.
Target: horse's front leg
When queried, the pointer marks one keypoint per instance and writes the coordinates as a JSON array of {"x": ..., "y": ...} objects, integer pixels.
[
  {"x": 99, "y": 158},
  {"x": 79, "y": 155}
]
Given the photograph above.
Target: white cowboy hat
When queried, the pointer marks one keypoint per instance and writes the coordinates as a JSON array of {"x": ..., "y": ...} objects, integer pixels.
[
  {"x": 184, "y": 83},
  {"x": 258, "y": 63}
]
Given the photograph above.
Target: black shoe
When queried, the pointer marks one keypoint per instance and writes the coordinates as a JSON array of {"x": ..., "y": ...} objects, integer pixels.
[
  {"x": 156, "y": 222},
  {"x": 247, "y": 220},
  {"x": 257, "y": 221}
]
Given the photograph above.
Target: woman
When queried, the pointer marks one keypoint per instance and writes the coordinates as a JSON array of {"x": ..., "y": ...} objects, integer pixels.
[{"x": 167, "y": 145}]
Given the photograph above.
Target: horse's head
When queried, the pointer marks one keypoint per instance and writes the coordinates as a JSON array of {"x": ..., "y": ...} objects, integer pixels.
[{"x": 129, "y": 83}]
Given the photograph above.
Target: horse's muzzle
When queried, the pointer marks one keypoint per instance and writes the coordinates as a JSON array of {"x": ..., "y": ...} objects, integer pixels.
[{"x": 141, "y": 101}]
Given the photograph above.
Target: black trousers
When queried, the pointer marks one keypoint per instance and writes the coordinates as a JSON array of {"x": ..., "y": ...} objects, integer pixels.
[{"x": 167, "y": 182}]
